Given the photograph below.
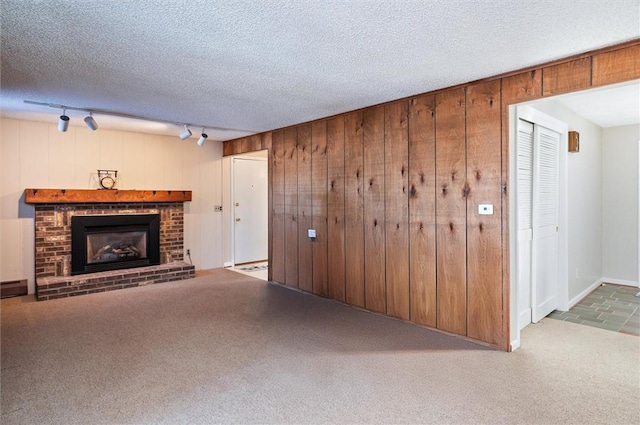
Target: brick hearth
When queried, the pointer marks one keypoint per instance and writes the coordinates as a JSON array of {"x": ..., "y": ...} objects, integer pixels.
[
  {"x": 53, "y": 249},
  {"x": 50, "y": 288}
]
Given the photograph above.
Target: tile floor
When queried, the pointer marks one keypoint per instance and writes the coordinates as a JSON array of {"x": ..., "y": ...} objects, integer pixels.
[
  {"x": 612, "y": 307},
  {"x": 258, "y": 270}
]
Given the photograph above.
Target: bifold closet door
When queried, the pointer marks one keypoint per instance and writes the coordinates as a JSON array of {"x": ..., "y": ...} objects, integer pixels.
[{"x": 537, "y": 200}]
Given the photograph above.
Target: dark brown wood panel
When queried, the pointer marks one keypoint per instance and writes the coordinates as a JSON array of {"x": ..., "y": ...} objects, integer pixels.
[
  {"x": 617, "y": 66},
  {"x": 354, "y": 209},
  {"x": 237, "y": 146},
  {"x": 319, "y": 207},
  {"x": 397, "y": 209},
  {"x": 266, "y": 141},
  {"x": 451, "y": 210},
  {"x": 267, "y": 144},
  {"x": 422, "y": 209},
  {"x": 305, "y": 219},
  {"x": 335, "y": 199},
  {"x": 251, "y": 143},
  {"x": 374, "y": 226},
  {"x": 277, "y": 260},
  {"x": 291, "y": 207},
  {"x": 227, "y": 148},
  {"x": 608, "y": 67},
  {"x": 484, "y": 247},
  {"x": 522, "y": 87},
  {"x": 566, "y": 77}
]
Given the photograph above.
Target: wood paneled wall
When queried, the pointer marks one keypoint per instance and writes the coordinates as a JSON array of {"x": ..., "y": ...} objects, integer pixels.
[{"x": 393, "y": 193}]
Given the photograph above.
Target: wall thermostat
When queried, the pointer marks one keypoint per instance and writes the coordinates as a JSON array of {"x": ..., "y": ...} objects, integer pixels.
[{"x": 485, "y": 209}]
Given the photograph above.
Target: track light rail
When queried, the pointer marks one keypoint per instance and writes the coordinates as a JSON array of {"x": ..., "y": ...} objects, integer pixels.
[{"x": 137, "y": 117}]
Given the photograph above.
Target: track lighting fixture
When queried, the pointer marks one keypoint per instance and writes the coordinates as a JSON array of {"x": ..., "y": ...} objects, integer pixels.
[
  {"x": 186, "y": 133},
  {"x": 203, "y": 138},
  {"x": 63, "y": 122},
  {"x": 91, "y": 123}
]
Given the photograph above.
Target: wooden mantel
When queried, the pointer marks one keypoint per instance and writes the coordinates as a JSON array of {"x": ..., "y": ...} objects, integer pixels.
[{"x": 88, "y": 196}]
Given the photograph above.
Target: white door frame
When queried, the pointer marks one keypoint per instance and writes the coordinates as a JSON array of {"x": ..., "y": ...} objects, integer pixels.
[
  {"x": 533, "y": 115},
  {"x": 234, "y": 200},
  {"x": 228, "y": 241}
]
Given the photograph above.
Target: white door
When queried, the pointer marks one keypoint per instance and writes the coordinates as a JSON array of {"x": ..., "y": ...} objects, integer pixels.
[
  {"x": 537, "y": 161},
  {"x": 546, "y": 164},
  {"x": 524, "y": 200},
  {"x": 250, "y": 210}
]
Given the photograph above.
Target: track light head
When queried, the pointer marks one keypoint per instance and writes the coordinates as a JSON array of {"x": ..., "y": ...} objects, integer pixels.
[
  {"x": 63, "y": 122},
  {"x": 186, "y": 133},
  {"x": 91, "y": 123},
  {"x": 203, "y": 138}
]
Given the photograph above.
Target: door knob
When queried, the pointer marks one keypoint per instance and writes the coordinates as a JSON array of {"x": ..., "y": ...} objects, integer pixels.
[
  {"x": 237, "y": 219},
  {"x": 237, "y": 204}
]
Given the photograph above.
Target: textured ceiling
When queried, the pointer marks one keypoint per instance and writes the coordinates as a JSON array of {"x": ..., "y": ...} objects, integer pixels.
[{"x": 260, "y": 65}]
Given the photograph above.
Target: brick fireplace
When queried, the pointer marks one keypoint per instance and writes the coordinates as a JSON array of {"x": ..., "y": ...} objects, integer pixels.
[{"x": 54, "y": 210}]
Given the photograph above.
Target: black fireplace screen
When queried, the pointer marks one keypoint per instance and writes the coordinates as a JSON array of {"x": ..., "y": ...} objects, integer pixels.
[
  {"x": 116, "y": 246},
  {"x": 110, "y": 242}
]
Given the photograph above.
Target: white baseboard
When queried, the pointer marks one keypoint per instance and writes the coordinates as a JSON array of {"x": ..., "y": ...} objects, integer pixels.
[
  {"x": 524, "y": 318},
  {"x": 228, "y": 264},
  {"x": 514, "y": 345},
  {"x": 620, "y": 282},
  {"x": 575, "y": 300}
]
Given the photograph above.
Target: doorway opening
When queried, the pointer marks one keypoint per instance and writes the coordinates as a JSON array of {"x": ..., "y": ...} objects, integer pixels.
[
  {"x": 247, "y": 215},
  {"x": 602, "y": 234}
]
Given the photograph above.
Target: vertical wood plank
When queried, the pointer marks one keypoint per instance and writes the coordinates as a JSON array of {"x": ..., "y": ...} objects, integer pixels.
[
  {"x": 374, "y": 190},
  {"x": 266, "y": 141},
  {"x": 522, "y": 87},
  {"x": 335, "y": 199},
  {"x": 245, "y": 145},
  {"x": 484, "y": 247},
  {"x": 617, "y": 66},
  {"x": 566, "y": 77},
  {"x": 227, "y": 148},
  {"x": 354, "y": 209},
  {"x": 251, "y": 143},
  {"x": 451, "y": 212},
  {"x": 305, "y": 248},
  {"x": 319, "y": 207},
  {"x": 291, "y": 207},
  {"x": 277, "y": 260},
  {"x": 397, "y": 209},
  {"x": 515, "y": 89},
  {"x": 237, "y": 146},
  {"x": 267, "y": 144},
  {"x": 422, "y": 209},
  {"x": 255, "y": 143}
]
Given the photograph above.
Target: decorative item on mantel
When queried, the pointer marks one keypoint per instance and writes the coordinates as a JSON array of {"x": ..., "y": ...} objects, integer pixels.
[{"x": 107, "y": 178}]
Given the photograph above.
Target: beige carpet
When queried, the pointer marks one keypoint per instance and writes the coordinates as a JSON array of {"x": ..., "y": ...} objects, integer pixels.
[{"x": 226, "y": 348}]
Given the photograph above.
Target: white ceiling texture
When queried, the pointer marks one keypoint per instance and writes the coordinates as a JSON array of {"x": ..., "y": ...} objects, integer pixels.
[{"x": 241, "y": 67}]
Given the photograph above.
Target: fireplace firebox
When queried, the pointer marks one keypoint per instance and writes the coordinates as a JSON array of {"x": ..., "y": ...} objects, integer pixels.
[{"x": 111, "y": 242}]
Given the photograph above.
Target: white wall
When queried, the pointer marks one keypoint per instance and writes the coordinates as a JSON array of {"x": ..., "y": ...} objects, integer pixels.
[
  {"x": 584, "y": 174},
  {"x": 620, "y": 204},
  {"x": 35, "y": 155}
]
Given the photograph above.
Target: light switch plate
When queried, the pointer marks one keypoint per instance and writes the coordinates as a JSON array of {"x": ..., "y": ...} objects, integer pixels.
[
  {"x": 311, "y": 233},
  {"x": 485, "y": 209}
]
